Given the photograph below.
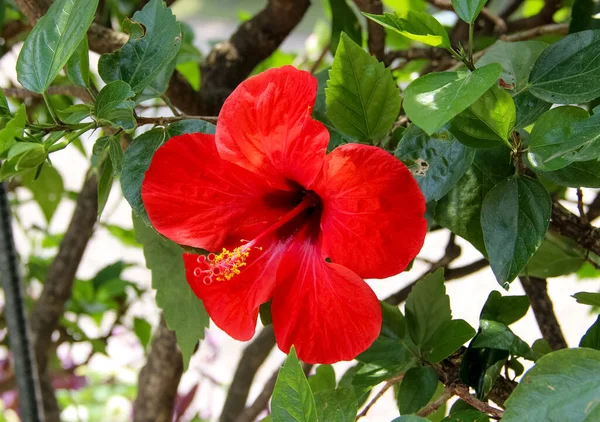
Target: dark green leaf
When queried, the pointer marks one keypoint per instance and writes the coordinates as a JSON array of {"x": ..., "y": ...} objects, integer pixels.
[
  {"x": 434, "y": 99},
  {"x": 584, "y": 15},
  {"x": 336, "y": 405},
  {"x": 160, "y": 83},
  {"x": 292, "y": 399},
  {"x": 183, "y": 312},
  {"x": 591, "y": 338},
  {"x": 438, "y": 161},
  {"x": 115, "y": 153},
  {"x": 467, "y": 416},
  {"x": 4, "y": 110},
  {"x": 143, "y": 58},
  {"x": 480, "y": 368},
  {"x": 517, "y": 60},
  {"x": 363, "y": 100},
  {"x": 562, "y": 386},
  {"x": 447, "y": 340},
  {"x": 323, "y": 379},
  {"x": 52, "y": 41},
  {"x": 427, "y": 308},
  {"x": 78, "y": 66},
  {"x": 578, "y": 174},
  {"x": 190, "y": 126},
  {"x": 417, "y": 26},
  {"x": 514, "y": 219},
  {"x": 496, "y": 335},
  {"x": 410, "y": 418},
  {"x": 47, "y": 189},
  {"x": 143, "y": 331},
  {"x": 343, "y": 19},
  {"x": 460, "y": 209},
  {"x": 13, "y": 128},
  {"x": 105, "y": 184},
  {"x": 468, "y": 10},
  {"x": 417, "y": 388},
  {"x": 556, "y": 256},
  {"x": 588, "y": 298},
  {"x": 541, "y": 347},
  {"x": 114, "y": 105},
  {"x": 566, "y": 72},
  {"x": 504, "y": 309}
]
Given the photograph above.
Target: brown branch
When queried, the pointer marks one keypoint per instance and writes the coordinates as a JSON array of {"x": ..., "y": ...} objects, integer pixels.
[
  {"x": 568, "y": 224},
  {"x": 159, "y": 379},
  {"x": 388, "y": 384},
  {"x": 12, "y": 29},
  {"x": 436, "y": 404},
  {"x": 544, "y": 17},
  {"x": 415, "y": 53},
  {"x": 594, "y": 209},
  {"x": 252, "y": 359},
  {"x": 376, "y": 32},
  {"x": 262, "y": 401},
  {"x": 580, "y": 204},
  {"x": 541, "y": 304},
  {"x": 462, "y": 391},
  {"x": 510, "y": 7}
]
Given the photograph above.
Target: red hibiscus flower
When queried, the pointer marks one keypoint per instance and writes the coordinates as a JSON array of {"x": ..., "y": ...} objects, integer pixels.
[{"x": 292, "y": 223}]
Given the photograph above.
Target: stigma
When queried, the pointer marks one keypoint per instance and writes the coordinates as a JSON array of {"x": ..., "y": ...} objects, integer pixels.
[{"x": 225, "y": 265}]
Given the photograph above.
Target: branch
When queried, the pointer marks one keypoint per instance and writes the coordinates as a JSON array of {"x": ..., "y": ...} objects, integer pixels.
[
  {"x": 568, "y": 224},
  {"x": 436, "y": 404},
  {"x": 594, "y": 209},
  {"x": 161, "y": 121},
  {"x": 462, "y": 391},
  {"x": 541, "y": 304},
  {"x": 68, "y": 90},
  {"x": 159, "y": 379},
  {"x": 376, "y": 31},
  {"x": 487, "y": 14},
  {"x": 252, "y": 359},
  {"x": 544, "y": 17},
  {"x": 388, "y": 384}
]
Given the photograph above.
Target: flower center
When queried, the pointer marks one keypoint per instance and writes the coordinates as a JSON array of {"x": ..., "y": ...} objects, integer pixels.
[{"x": 226, "y": 265}]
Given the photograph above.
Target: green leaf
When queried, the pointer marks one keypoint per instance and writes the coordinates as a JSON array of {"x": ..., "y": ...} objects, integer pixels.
[
  {"x": 556, "y": 256},
  {"x": 584, "y": 15},
  {"x": 343, "y": 19},
  {"x": 47, "y": 189},
  {"x": 336, "y": 405},
  {"x": 496, "y": 335},
  {"x": 323, "y": 379},
  {"x": 562, "y": 386},
  {"x": 491, "y": 118},
  {"x": 105, "y": 184},
  {"x": 578, "y": 174},
  {"x": 13, "y": 128},
  {"x": 514, "y": 219},
  {"x": 114, "y": 105},
  {"x": 504, "y": 309},
  {"x": 467, "y": 416},
  {"x": 591, "y": 338},
  {"x": 27, "y": 155},
  {"x": 143, "y": 58},
  {"x": 74, "y": 114},
  {"x": 363, "y": 100},
  {"x": 4, "y": 110},
  {"x": 190, "y": 126},
  {"x": 447, "y": 340},
  {"x": 410, "y": 418},
  {"x": 115, "y": 153},
  {"x": 160, "y": 83},
  {"x": 183, "y": 312},
  {"x": 78, "y": 66},
  {"x": 417, "y": 26},
  {"x": 517, "y": 60},
  {"x": 417, "y": 388},
  {"x": 427, "y": 308},
  {"x": 52, "y": 41},
  {"x": 566, "y": 72},
  {"x": 554, "y": 134},
  {"x": 143, "y": 331},
  {"x": 468, "y": 10},
  {"x": 433, "y": 100},
  {"x": 460, "y": 209},
  {"x": 437, "y": 161},
  {"x": 480, "y": 368},
  {"x": 292, "y": 399},
  {"x": 588, "y": 298}
]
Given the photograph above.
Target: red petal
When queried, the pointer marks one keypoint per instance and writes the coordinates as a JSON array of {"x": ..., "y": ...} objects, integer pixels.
[
  {"x": 233, "y": 304},
  {"x": 266, "y": 126},
  {"x": 195, "y": 198},
  {"x": 373, "y": 211},
  {"x": 325, "y": 310}
]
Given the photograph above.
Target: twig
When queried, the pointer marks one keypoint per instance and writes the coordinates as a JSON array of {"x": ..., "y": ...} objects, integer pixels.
[
  {"x": 376, "y": 32},
  {"x": 544, "y": 17},
  {"x": 568, "y": 224},
  {"x": 541, "y": 304},
  {"x": 261, "y": 402},
  {"x": 436, "y": 404},
  {"x": 554, "y": 28},
  {"x": 594, "y": 209},
  {"x": 388, "y": 384},
  {"x": 582, "y": 214},
  {"x": 499, "y": 24},
  {"x": 317, "y": 63},
  {"x": 162, "y": 121},
  {"x": 462, "y": 391}
]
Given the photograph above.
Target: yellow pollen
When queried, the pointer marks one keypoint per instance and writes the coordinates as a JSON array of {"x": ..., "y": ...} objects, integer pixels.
[{"x": 230, "y": 262}]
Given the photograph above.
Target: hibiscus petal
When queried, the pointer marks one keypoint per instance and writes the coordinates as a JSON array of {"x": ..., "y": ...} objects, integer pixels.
[
  {"x": 266, "y": 126},
  {"x": 373, "y": 210},
  {"x": 233, "y": 304},
  {"x": 195, "y": 198},
  {"x": 325, "y": 310}
]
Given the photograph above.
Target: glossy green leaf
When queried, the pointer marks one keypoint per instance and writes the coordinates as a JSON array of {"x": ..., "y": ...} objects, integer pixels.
[
  {"x": 105, "y": 183},
  {"x": 363, "y": 100},
  {"x": 160, "y": 83},
  {"x": 556, "y": 256},
  {"x": 53, "y": 41},
  {"x": 517, "y": 60},
  {"x": 467, "y": 416},
  {"x": 4, "y": 110},
  {"x": 47, "y": 189},
  {"x": 323, "y": 379},
  {"x": 447, "y": 340},
  {"x": 591, "y": 337},
  {"x": 143, "y": 58},
  {"x": 292, "y": 399},
  {"x": 433, "y": 100},
  {"x": 578, "y": 174},
  {"x": 584, "y": 15},
  {"x": 417, "y": 26},
  {"x": 562, "y": 386},
  {"x": 480, "y": 368},
  {"x": 75, "y": 114},
  {"x": 78, "y": 66},
  {"x": 13, "y": 129},
  {"x": 468, "y": 10},
  {"x": 411, "y": 418},
  {"x": 336, "y": 405},
  {"x": 417, "y": 388},
  {"x": 438, "y": 161},
  {"x": 504, "y": 309},
  {"x": 114, "y": 105},
  {"x": 427, "y": 308},
  {"x": 588, "y": 298},
  {"x": 460, "y": 209},
  {"x": 491, "y": 118},
  {"x": 190, "y": 126},
  {"x": 496, "y": 335},
  {"x": 183, "y": 312},
  {"x": 567, "y": 71},
  {"x": 343, "y": 19},
  {"x": 27, "y": 155},
  {"x": 514, "y": 220},
  {"x": 143, "y": 331},
  {"x": 115, "y": 152}
]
